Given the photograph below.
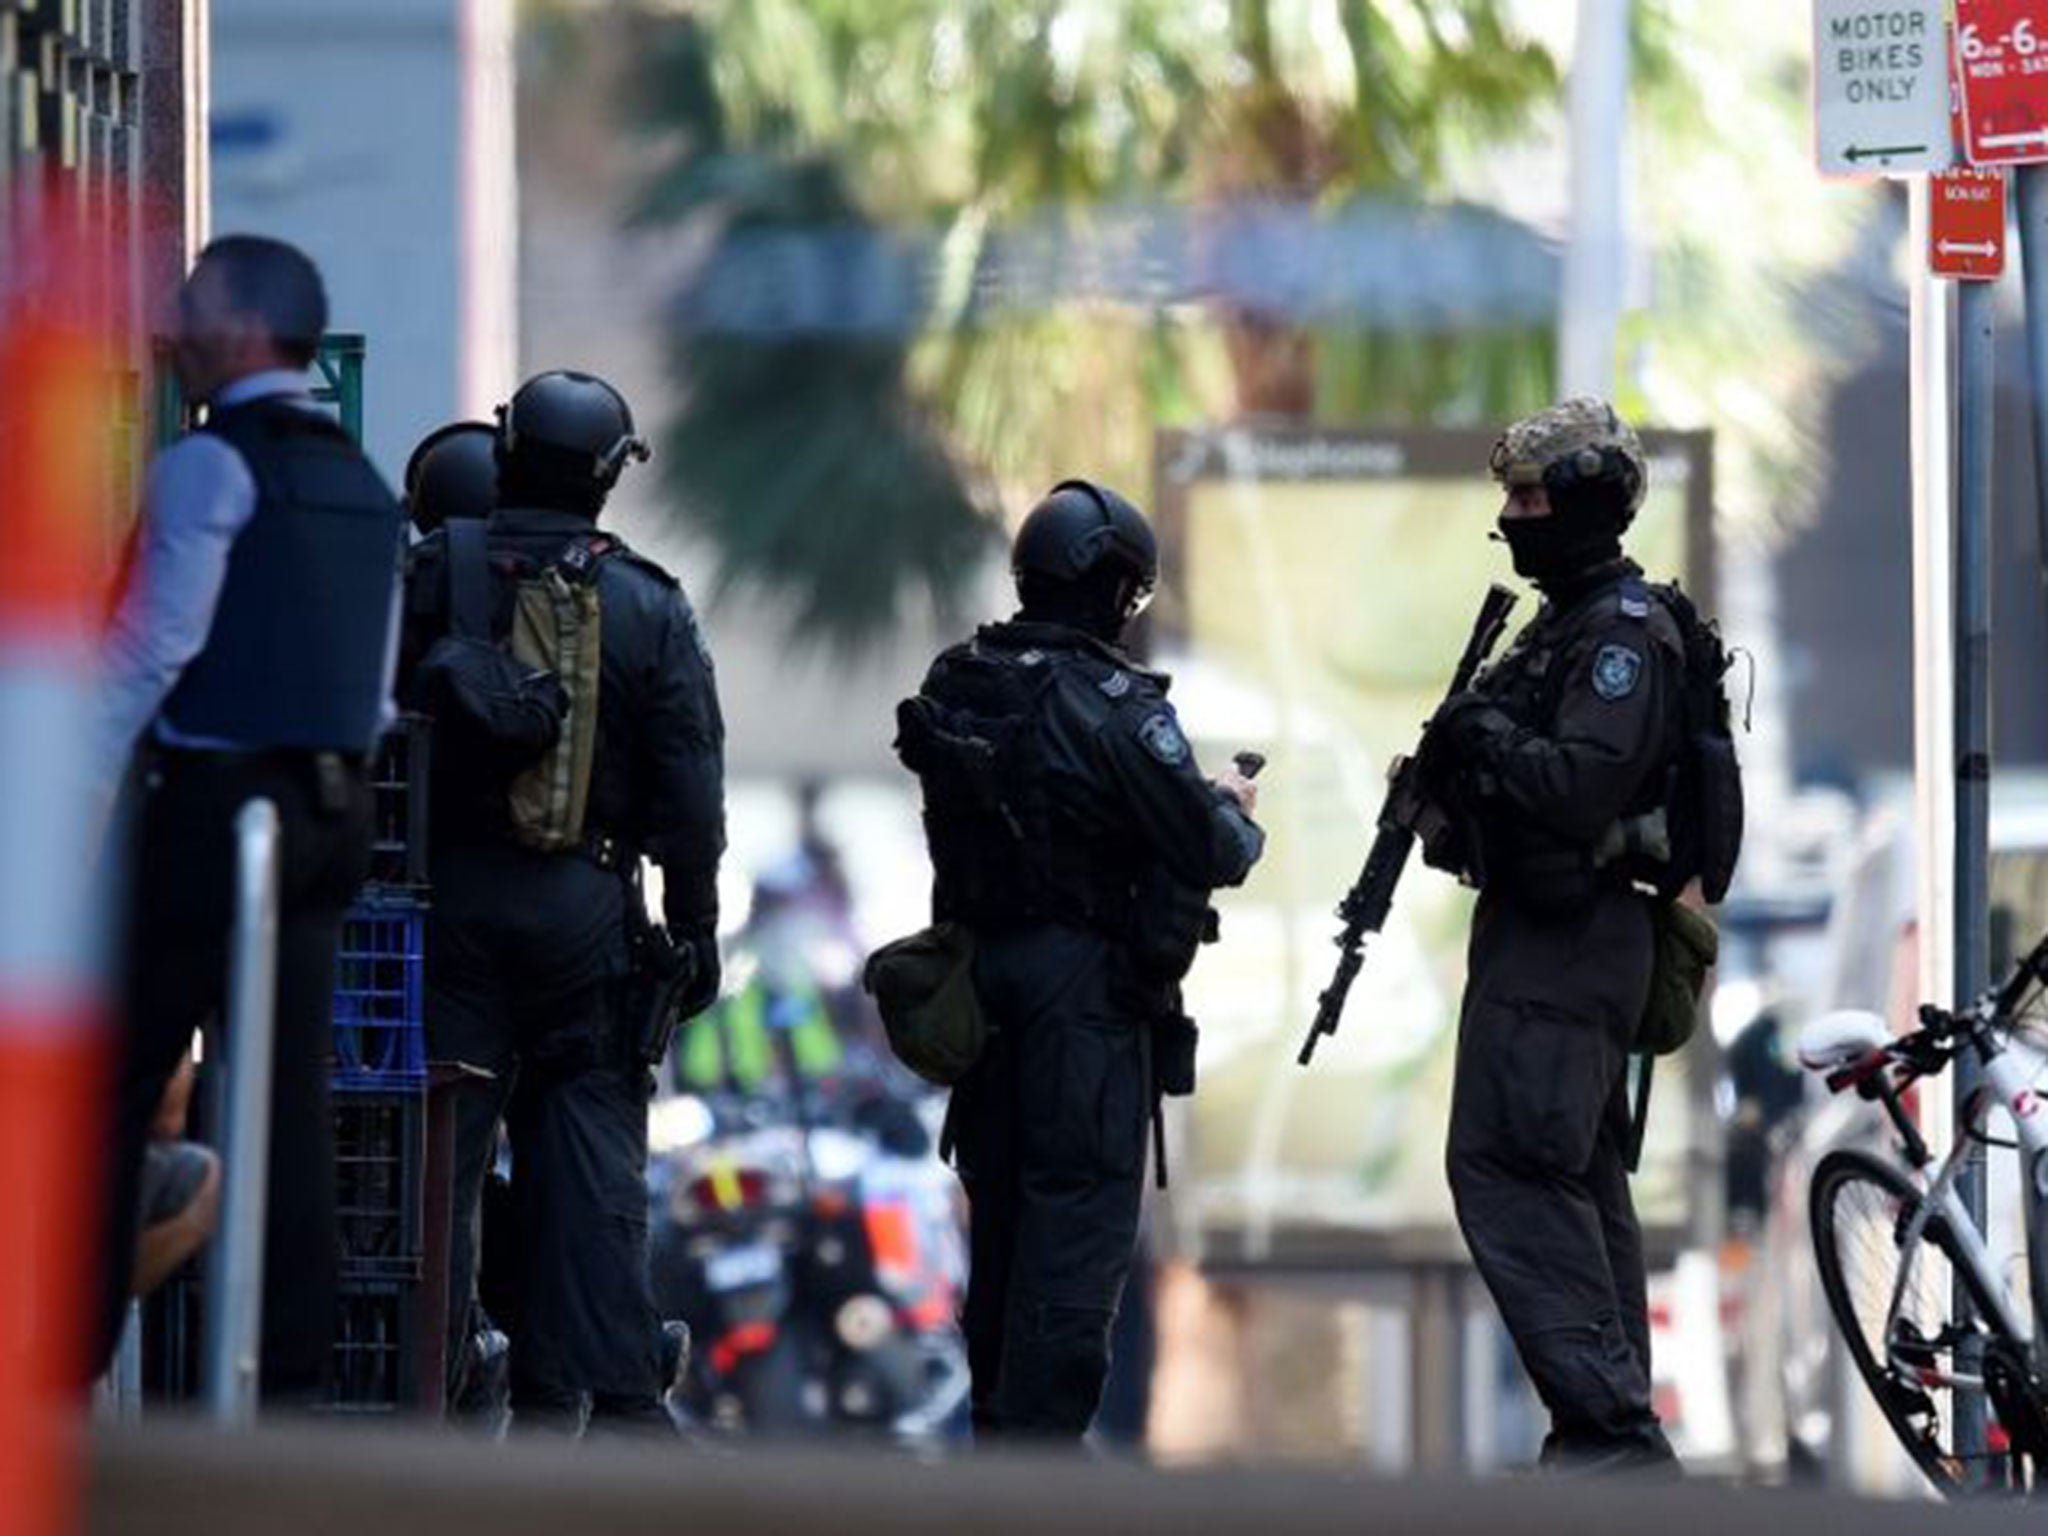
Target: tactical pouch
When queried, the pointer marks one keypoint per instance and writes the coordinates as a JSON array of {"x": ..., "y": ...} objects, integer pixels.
[
  {"x": 1719, "y": 811},
  {"x": 1174, "y": 1038},
  {"x": 1687, "y": 945},
  {"x": 923, "y": 986}
]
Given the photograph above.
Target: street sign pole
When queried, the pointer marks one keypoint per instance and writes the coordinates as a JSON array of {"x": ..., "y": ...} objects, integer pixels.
[
  {"x": 1976, "y": 394},
  {"x": 1932, "y": 336},
  {"x": 2032, "y": 195}
]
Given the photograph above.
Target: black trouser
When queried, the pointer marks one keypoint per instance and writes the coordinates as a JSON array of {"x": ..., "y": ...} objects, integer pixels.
[
  {"x": 180, "y": 917},
  {"x": 1050, "y": 1135},
  {"x": 1539, "y": 1120},
  {"x": 526, "y": 956}
]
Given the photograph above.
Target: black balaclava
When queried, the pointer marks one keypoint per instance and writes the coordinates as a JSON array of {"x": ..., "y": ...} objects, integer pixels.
[{"x": 1582, "y": 531}]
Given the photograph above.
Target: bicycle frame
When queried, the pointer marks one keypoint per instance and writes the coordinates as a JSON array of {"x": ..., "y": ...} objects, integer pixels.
[{"x": 2011, "y": 1074}]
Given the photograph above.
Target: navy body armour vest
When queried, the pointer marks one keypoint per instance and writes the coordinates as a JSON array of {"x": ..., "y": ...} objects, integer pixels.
[{"x": 296, "y": 655}]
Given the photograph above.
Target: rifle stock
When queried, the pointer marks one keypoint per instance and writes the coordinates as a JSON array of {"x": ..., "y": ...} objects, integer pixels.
[{"x": 1371, "y": 897}]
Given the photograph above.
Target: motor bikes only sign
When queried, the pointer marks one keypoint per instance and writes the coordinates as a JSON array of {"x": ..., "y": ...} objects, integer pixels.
[
  {"x": 2002, "y": 70},
  {"x": 1880, "y": 86}
]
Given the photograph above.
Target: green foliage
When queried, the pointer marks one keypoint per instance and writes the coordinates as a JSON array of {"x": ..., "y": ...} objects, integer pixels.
[
  {"x": 821, "y": 463},
  {"x": 797, "y": 450}
]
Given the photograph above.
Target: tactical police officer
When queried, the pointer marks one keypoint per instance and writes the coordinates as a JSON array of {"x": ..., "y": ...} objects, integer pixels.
[
  {"x": 250, "y": 658},
  {"x": 453, "y": 472},
  {"x": 1058, "y": 788},
  {"x": 1558, "y": 752},
  {"x": 535, "y": 863}
]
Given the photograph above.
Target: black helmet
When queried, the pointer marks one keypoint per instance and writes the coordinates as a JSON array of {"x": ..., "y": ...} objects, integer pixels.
[
  {"x": 570, "y": 424},
  {"x": 1081, "y": 534},
  {"x": 453, "y": 473}
]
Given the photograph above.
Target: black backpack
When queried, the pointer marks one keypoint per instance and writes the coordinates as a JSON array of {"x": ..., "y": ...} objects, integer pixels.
[
  {"x": 971, "y": 739},
  {"x": 1705, "y": 798}
]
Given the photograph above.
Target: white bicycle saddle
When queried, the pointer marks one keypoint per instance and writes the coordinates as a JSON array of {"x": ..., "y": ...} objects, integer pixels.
[{"x": 1837, "y": 1040}]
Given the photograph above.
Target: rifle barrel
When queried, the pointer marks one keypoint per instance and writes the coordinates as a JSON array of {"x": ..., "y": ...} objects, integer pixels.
[{"x": 1366, "y": 905}]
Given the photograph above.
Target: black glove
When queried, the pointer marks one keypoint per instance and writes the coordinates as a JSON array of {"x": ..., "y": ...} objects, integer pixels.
[
  {"x": 1466, "y": 733},
  {"x": 701, "y": 991}
]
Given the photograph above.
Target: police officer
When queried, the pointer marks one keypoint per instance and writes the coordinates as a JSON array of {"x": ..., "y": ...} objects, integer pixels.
[
  {"x": 452, "y": 473},
  {"x": 1057, "y": 783},
  {"x": 528, "y": 949},
  {"x": 1556, "y": 751},
  {"x": 251, "y": 657}
]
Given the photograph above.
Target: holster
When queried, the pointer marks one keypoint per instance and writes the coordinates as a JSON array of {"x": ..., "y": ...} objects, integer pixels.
[
  {"x": 1174, "y": 1038},
  {"x": 659, "y": 972}
]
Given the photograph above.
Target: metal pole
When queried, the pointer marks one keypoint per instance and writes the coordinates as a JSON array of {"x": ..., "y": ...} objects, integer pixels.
[
  {"x": 128, "y": 1366},
  {"x": 2032, "y": 198},
  {"x": 1594, "y": 257},
  {"x": 1932, "y": 334},
  {"x": 234, "y": 1282},
  {"x": 1976, "y": 398}
]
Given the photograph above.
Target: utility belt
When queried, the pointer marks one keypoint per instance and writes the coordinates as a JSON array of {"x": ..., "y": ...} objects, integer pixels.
[
  {"x": 612, "y": 853},
  {"x": 1552, "y": 874},
  {"x": 334, "y": 778},
  {"x": 1108, "y": 910}
]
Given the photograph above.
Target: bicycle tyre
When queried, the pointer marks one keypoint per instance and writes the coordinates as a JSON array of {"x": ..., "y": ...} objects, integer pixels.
[{"x": 1857, "y": 1205}]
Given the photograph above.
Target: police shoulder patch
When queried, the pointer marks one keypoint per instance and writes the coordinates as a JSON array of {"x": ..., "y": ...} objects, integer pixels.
[
  {"x": 1161, "y": 736},
  {"x": 1616, "y": 671}
]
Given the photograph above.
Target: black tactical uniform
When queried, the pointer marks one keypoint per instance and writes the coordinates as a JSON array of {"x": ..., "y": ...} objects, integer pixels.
[
  {"x": 1098, "y": 793},
  {"x": 1569, "y": 737},
  {"x": 527, "y": 953}
]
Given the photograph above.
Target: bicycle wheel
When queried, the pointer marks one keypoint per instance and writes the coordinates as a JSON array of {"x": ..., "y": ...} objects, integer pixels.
[{"x": 1861, "y": 1207}]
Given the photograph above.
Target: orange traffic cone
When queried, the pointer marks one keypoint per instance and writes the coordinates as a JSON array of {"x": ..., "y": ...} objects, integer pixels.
[{"x": 56, "y": 421}]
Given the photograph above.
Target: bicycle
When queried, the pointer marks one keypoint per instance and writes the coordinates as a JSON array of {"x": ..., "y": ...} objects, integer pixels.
[{"x": 1891, "y": 1235}]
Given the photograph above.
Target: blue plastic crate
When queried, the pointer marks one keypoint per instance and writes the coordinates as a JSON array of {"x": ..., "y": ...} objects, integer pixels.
[{"x": 379, "y": 996}]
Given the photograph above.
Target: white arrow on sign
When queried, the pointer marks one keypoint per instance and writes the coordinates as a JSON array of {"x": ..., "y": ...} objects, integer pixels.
[
  {"x": 2009, "y": 140},
  {"x": 1963, "y": 248}
]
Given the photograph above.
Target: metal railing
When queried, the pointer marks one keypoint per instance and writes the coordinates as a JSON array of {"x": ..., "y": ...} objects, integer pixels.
[{"x": 234, "y": 1283}]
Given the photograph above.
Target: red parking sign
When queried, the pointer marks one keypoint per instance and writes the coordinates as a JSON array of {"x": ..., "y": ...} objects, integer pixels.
[
  {"x": 2002, "y": 67},
  {"x": 1966, "y": 224}
]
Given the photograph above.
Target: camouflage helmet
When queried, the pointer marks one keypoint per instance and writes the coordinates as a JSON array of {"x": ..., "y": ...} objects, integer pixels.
[{"x": 1574, "y": 446}]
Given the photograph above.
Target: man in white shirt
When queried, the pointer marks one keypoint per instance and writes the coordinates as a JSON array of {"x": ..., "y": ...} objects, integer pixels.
[{"x": 251, "y": 657}]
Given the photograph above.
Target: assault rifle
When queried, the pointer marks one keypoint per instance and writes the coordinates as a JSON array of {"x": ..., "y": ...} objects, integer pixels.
[{"x": 1404, "y": 816}]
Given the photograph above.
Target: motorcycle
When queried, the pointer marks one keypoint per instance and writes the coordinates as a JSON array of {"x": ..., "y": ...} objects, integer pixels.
[{"x": 812, "y": 1243}]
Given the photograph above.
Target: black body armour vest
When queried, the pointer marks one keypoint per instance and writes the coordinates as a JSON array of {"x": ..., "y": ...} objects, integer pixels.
[
  {"x": 296, "y": 655},
  {"x": 1002, "y": 854},
  {"x": 1528, "y": 683}
]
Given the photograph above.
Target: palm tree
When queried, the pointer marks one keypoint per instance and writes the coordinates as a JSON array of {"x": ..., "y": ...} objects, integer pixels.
[{"x": 925, "y": 135}]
